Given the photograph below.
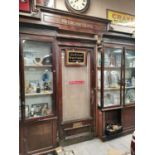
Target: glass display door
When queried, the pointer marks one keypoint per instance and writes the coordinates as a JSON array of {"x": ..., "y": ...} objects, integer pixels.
[
  {"x": 112, "y": 76},
  {"x": 129, "y": 77},
  {"x": 38, "y": 78}
]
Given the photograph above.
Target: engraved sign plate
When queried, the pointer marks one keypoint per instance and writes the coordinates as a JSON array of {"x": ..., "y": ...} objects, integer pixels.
[
  {"x": 76, "y": 58},
  {"x": 77, "y": 125}
]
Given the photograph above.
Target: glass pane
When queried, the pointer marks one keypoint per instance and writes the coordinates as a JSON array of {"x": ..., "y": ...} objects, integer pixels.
[
  {"x": 38, "y": 78},
  {"x": 111, "y": 98},
  {"x": 129, "y": 77},
  {"x": 112, "y": 76},
  {"x": 76, "y": 90},
  {"x": 99, "y": 79},
  {"x": 112, "y": 79},
  {"x": 112, "y": 57},
  {"x": 99, "y": 59}
]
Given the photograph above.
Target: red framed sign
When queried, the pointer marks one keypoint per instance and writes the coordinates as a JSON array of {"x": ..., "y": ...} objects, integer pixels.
[{"x": 25, "y": 5}]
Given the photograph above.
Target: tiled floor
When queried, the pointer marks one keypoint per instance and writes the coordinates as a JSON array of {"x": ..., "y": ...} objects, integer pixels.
[{"x": 119, "y": 146}]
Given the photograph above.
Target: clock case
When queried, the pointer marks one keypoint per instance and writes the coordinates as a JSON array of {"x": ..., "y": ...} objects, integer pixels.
[{"x": 69, "y": 7}]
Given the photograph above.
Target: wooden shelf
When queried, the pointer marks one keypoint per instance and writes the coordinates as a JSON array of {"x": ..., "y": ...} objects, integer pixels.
[
  {"x": 73, "y": 128},
  {"x": 130, "y": 105},
  {"x": 39, "y": 94},
  {"x": 111, "y": 108}
]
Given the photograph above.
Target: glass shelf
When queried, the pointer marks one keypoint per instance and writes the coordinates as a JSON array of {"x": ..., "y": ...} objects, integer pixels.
[
  {"x": 108, "y": 89},
  {"x": 131, "y": 87},
  {"x": 38, "y": 66},
  {"x": 38, "y": 94},
  {"x": 112, "y": 68}
]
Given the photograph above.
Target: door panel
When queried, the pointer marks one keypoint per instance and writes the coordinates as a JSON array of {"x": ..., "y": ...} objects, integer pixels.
[{"x": 76, "y": 85}]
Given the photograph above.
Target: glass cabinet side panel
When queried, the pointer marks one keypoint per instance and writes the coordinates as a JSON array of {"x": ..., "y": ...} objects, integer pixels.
[
  {"x": 129, "y": 77},
  {"x": 99, "y": 98},
  {"x": 99, "y": 59},
  {"x": 38, "y": 78},
  {"x": 112, "y": 77}
]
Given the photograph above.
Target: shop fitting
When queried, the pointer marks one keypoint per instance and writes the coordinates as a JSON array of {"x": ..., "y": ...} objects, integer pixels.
[{"x": 65, "y": 60}]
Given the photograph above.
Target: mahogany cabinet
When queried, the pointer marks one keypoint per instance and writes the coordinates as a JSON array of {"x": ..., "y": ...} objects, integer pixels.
[
  {"x": 38, "y": 120},
  {"x": 116, "y": 85},
  {"x": 57, "y": 96}
]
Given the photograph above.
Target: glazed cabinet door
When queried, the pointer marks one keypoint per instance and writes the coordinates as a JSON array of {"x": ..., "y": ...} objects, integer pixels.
[
  {"x": 38, "y": 79},
  {"x": 129, "y": 75},
  {"x": 38, "y": 90},
  {"x": 111, "y": 84}
]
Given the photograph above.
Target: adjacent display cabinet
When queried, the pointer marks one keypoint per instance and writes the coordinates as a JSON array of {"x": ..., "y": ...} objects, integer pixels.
[
  {"x": 38, "y": 121},
  {"x": 116, "y": 84}
]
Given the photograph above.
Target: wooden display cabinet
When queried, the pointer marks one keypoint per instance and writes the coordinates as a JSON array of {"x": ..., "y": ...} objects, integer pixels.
[
  {"x": 69, "y": 95},
  {"x": 116, "y": 85},
  {"x": 38, "y": 121}
]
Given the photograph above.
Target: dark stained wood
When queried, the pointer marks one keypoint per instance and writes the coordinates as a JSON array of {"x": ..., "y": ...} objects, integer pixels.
[
  {"x": 40, "y": 135},
  {"x": 64, "y": 125},
  {"x": 63, "y": 30},
  {"x": 67, "y": 21},
  {"x": 123, "y": 114},
  {"x": 128, "y": 117}
]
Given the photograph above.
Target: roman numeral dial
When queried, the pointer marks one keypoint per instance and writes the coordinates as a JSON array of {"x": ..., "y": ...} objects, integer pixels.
[{"x": 77, "y": 5}]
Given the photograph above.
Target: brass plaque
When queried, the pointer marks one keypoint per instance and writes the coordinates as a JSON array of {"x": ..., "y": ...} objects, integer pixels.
[
  {"x": 77, "y": 125},
  {"x": 76, "y": 57}
]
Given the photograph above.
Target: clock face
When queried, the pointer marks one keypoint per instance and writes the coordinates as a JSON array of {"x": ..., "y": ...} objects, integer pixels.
[{"x": 77, "y": 5}]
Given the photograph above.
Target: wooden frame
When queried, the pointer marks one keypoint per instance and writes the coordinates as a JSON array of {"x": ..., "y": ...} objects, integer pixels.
[
  {"x": 48, "y": 122},
  {"x": 66, "y": 128},
  {"x": 75, "y": 57}
]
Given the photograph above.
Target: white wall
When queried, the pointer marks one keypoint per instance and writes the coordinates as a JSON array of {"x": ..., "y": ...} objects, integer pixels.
[{"x": 98, "y": 9}]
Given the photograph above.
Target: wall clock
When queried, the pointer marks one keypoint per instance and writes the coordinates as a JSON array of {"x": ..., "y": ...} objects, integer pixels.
[{"x": 77, "y": 6}]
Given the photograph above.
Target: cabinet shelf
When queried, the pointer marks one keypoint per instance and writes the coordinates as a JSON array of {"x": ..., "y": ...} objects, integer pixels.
[
  {"x": 130, "y": 105},
  {"x": 112, "y": 68},
  {"x": 129, "y": 67},
  {"x": 111, "y": 108},
  {"x": 39, "y": 94},
  {"x": 38, "y": 66},
  {"x": 117, "y": 88},
  {"x": 131, "y": 87}
]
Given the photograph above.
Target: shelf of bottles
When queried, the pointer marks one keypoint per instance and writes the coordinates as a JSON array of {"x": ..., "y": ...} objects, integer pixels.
[
  {"x": 38, "y": 76},
  {"x": 129, "y": 77},
  {"x": 112, "y": 77}
]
